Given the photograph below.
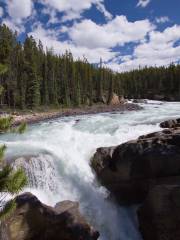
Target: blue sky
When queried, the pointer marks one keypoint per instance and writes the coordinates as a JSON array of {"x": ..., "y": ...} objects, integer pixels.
[{"x": 126, "y": 34}]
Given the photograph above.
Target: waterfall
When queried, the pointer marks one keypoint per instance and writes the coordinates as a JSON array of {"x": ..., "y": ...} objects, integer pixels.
[{"x": 40, "y": 171}]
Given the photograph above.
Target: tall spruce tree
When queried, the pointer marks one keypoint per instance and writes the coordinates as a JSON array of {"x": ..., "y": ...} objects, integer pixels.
[{"x": 33, "y": 86}]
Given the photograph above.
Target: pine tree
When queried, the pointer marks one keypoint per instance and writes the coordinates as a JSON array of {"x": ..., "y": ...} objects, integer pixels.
[
  {"x": 33, "y": 86},
  {"x": 110, "y": 90},
  {"x": 32, "y": 77},
  {"x": 11, "y": 181},
  {"x": 99, "y": 84}
]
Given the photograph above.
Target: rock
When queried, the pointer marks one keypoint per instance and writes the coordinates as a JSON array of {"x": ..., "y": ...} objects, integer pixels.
[
  {"x": 170, "y": 123},
  {"x": 140, "y": 101},
  {"x": 33, "y": 220},
  {"x": 131, "y": 169},
  {"x": 159, "y": 216},
  {"x": 102, "y": 158},
  {"x": 114, "y": 100}
]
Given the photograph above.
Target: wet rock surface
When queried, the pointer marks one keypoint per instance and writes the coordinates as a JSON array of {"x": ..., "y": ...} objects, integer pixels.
[
  {"x": 173, "y": 123},
  {"x": 159, "y": 216},
  {"x": 131, "y": 169},
  {"x": 146, "y": 171},
  {"x": 33, "y": 220}
]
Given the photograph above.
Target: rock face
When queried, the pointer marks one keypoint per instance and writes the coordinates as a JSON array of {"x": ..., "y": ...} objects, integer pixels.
[
  {"x": 33, "y": 220},
  {"x": 174, "y": 123},
  {"x": 140, "y": 101},
  {"x": 131, "y": 169},
  {"x": 159, "y": 216},
  {"x": 115, "y": 100}
]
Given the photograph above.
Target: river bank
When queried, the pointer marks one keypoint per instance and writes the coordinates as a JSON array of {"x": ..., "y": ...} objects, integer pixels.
[{"x": 35, "y": 117}]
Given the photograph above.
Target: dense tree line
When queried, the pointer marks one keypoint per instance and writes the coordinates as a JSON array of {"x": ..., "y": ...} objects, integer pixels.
[
  {"x": 160, "y": 83},
  {"x": 35, "y": 77}
]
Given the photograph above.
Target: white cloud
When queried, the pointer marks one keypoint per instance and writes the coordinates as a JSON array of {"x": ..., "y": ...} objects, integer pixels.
[
  {"x": 50, "y": 39},
  {"x": 102, "y": 9},
  {"x": 73, "y": 9},
  {"x": 1, "y": 12},
  {"x": 52, "y": 15},
  {"x": 169, "y": 35},
  {"x": 19, "y": 9},
  {"x": 92, "y": 40},
  {"x": 116, "y": 32},
  {"x": 163, "y": 19},
  {"x": 143, "y": 3},
  {"x": 159, "y": 50}
]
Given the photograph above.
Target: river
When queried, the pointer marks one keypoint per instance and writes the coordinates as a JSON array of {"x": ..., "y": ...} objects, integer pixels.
[{"x": 62, "y": 149}]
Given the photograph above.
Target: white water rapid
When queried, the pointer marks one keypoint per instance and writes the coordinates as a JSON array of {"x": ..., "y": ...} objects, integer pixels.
[{"x": 60, "y": 168}]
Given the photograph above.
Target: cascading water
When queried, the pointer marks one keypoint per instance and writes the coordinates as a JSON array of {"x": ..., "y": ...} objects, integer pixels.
[{"x": 60, "y": 152}]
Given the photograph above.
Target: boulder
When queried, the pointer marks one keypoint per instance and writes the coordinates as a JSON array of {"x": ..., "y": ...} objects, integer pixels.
[
  {"x": 131, "y": 169},
  {"x": 33, "y": 220},
  {"x": 114, "y": 100},
  {"x": 173, "y": 123},
  {"x": 159, "y": 216},
  {"x": 140, "y": 101}
]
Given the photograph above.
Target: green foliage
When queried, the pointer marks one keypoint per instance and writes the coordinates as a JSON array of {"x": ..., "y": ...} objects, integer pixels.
[
  {"x": 1, "y": 90},
  {"x": 11, "y": 181},
  {"x": 31, "y": 77},
  {"x": 16, "y": 181},
  {"x": 3, "y": 68},
  {"x": 7, "y": 209},
  {"x": 2, "y": 150},
  {"x": 4, "y": 177},
  {"x": 22, "y": 128},
  {"x": 5, "y": 123}
]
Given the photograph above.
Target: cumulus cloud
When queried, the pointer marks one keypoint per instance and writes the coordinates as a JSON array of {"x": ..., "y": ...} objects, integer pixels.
[
  {"x": 1, "y": 12},
  {"x": 53, "y": 19},
  {"x": 13, "y": 26},
  {"x": 73, "y": 9},
  {"x": 143, "y": 3},
  {"x": 118, "y": 31},
  {"x": 162, "y": 19},
  {"x": 19, "y": 9},
  {"x": 50, "y": 39},
  {"x": 160, "y": 50},
  {"x": 84, "y": 37},
  {"x": 102, "y": 9}
]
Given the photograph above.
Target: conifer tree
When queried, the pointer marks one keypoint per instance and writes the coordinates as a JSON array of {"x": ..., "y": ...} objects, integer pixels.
[
  {"x": 11, "y": 181},
  {"x": 32, "y": 77}
]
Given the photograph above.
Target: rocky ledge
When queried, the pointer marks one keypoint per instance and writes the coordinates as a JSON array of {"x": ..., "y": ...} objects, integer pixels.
[
  {"x": 33, "y": 220},
  {"x": 131, "y": 169},
  {"x": 174, "y": 123},
  {"x": 146, "y": 171}
]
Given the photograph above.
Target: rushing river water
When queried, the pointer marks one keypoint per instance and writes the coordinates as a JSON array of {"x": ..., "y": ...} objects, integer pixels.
[{"x": 60, "y": 169}]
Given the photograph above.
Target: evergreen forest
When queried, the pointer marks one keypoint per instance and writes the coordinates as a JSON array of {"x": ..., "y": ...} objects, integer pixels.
[{"x": 33, "y": 76}]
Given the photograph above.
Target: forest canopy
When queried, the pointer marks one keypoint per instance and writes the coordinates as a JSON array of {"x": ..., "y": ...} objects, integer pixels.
[{"x": 34, "y": 77}]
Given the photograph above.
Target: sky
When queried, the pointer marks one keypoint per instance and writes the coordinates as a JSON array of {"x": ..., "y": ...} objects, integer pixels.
[{"x": 126, "y": 34}]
